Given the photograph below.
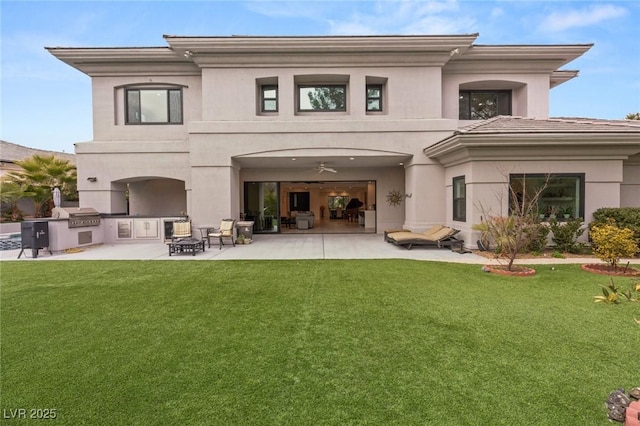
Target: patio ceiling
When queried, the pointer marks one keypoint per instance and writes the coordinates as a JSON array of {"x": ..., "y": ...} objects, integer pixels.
[{"x": 293, "y": 161}]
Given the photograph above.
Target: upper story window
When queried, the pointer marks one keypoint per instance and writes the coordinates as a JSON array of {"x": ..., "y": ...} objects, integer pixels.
[
  {"x": 322, "y": 97},
  {"x": 269, "y": 98},
  {"x": 483, "y": 104},
  {"x": 374, "y": 97},
  {"x": 154, "y": 106}
]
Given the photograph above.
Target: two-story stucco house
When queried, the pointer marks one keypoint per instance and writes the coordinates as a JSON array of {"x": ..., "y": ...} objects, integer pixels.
[{"x": 259, "y": 127}]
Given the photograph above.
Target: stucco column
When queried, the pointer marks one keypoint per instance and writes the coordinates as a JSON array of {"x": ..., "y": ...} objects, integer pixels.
[
  {"x": 424, "y": 208},
  {"x": 214, "y": 195}
]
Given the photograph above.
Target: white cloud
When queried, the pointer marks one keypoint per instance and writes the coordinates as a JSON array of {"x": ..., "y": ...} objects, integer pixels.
[
  {"x": 373, "y": 17},
  {"x": 405, "y": 17},
  {"x": 497, "y": 12},
  {"x": 560, "y": 21}
]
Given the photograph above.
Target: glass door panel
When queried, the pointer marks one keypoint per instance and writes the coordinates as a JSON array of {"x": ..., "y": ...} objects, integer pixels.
[{"x": 261, "y": 206}]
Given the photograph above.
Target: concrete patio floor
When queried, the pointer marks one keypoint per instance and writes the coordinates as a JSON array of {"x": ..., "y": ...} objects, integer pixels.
[{"x": 283, "y": 246}]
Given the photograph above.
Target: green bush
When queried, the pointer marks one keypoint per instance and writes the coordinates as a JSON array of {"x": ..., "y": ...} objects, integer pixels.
[
  {"x": 566, "y": 233},
  {"x": 611, "y": 243},
  {"x": 538, "y": 237},
  {"x": 624, "y": 217}
]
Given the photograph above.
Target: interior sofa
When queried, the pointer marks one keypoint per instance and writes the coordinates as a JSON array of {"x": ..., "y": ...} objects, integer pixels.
[{"x": 304, "y": 216}]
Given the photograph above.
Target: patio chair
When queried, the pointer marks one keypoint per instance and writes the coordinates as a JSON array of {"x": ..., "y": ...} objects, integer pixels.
[
  {"x": 225, "y": 231},
  {"x": 438, "y": 236},
  {"x": 181, "y": 229}
]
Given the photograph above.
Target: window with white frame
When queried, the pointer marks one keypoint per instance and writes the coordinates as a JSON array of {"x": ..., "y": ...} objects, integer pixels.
[{"x": 153, "y": 106}]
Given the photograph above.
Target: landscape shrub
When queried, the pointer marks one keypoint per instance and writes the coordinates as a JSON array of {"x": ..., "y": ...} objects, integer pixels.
[
  {"x": 538, "y": 238},
  {"x": 566, "y": 234},
  {"x": 624, "y": 217},
  {"x": 610, "y": 243}
]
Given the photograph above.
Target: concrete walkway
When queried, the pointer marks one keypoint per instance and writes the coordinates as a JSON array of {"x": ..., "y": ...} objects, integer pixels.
[{"x": 271, "y": 247}]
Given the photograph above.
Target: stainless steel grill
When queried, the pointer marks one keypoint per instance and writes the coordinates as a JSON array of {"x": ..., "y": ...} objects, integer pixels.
[{"x": 78, "y": 216}]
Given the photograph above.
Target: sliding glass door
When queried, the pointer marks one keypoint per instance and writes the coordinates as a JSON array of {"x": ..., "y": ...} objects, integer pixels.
[{"x": 261, "y": 206}]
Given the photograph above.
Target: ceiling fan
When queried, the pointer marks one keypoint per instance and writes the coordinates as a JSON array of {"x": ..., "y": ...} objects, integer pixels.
[{"x": 322, "y": 168}]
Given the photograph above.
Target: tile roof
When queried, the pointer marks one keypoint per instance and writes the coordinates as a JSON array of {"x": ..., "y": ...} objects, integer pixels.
[
  {"x": 10, "y": 152},
  {"x": 512, "y": 124}
]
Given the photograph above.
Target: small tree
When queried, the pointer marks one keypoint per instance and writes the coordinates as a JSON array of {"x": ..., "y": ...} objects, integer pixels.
[
  {"x": 612, "y": 243},
  {"x": 517, "y": 231}
]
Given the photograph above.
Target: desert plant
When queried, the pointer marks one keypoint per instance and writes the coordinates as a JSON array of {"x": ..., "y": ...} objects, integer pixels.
[
  {"x": 565, "y": 234},
  {"x": 611, "y": 243}
]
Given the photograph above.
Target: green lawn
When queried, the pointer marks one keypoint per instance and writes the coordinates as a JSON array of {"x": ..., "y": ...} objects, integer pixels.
[{"x": 310, "y": 342}]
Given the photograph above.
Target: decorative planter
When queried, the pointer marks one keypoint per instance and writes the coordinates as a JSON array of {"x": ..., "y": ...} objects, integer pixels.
[
  {"x": 604, "y": 269},
  {"x": 516, "y": 270}
]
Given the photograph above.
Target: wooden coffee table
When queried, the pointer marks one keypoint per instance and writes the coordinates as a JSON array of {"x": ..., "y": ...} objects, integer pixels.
[{"x": 186, "y": 246}]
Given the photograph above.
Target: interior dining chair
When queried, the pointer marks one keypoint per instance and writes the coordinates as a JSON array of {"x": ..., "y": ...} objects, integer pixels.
[{"x": 225, "y": 231}]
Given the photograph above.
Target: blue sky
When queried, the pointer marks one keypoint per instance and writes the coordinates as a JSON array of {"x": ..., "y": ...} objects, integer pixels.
[{"x": 46, "y": 104}]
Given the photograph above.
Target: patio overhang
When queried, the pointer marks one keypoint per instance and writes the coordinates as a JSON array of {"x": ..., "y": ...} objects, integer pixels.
[{"x": 310, "y": 157}]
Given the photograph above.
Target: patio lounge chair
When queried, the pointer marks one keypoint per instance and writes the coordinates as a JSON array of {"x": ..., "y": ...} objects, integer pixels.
[
  {"x": 437, "y": 236},
  {"x": 225, "y": 231},
  {"x": 181, "y": 229}
]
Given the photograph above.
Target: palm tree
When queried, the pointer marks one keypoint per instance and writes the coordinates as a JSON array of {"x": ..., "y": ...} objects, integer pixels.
[
  {"x": 10, "y": 193},
  {"x": 40, "y": 174},
  {"x": 633, "y": 116}
]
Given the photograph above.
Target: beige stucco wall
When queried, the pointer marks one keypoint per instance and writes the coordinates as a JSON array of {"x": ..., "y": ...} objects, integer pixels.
[
  {"x": 230, "y": 94},
  {"x": 109, "y": 108},
  {"x": 630, "y": 188},
  {"x": 487, "y": 191},
  {"x": 530, "y": 92}
]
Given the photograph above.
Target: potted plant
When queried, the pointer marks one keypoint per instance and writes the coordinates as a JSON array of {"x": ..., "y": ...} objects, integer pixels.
[
  {"x": 552, "y": 212},
  {"x": 567, "y": 211}
]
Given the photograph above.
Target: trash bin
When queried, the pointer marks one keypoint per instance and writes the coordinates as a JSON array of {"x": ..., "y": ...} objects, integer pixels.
[
  {"x": 245, "y": 228},
  {"x": 35, "y": 236}
]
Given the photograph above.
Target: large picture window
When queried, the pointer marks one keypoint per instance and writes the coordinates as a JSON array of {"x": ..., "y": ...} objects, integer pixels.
[
  {"x": 327, "y": 97},
  {"x": 459, "y": 199},
  {"x": 562, "y": 196},
  {"x": 480, "y": 105},
  {"x": 154, "y": 106}
]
